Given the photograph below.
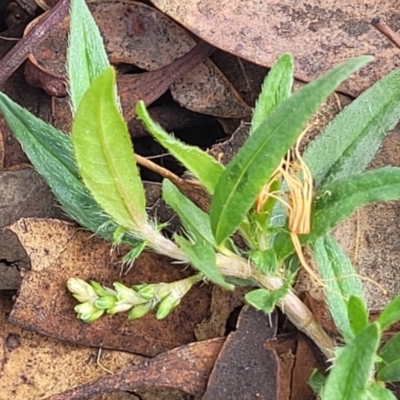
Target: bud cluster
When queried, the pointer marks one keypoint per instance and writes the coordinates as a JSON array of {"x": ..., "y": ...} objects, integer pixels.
[{"x": 95, "y": 299}]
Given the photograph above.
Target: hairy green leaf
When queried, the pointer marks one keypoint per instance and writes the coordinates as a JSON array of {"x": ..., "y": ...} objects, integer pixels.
[
  {"x": 390, "y": 314},
  {"x": 358, "y": 314},
  {"x": 376, "y": 392},
  {"x": 276, "y": 88},
  {"x": 341, "y": 282},
  {"x": 389, "y": 368},
  {"x": 204, "y": 167},
  {"x": 390, "y": 372},
  {"x": 245, "y": 175},
  {"x": 86, "y": 57},
  {"x": 202, "y": 256},
  {"x": 103, "y": 151},
  {"x": 264, "y": 260},
  {"x": 317, "y": 381},
  {"x": 349, "y": 378},
  {"x": 351, "y": 140},
  {"x": 195, "y": 221},
  {"x": 51, "y": 153},
  {"x": 266, "y": 300},
  {"x": 336, "y": 201}
]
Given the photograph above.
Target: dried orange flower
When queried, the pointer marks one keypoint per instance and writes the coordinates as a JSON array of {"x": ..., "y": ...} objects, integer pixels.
[{"x": 299, "y": 198}]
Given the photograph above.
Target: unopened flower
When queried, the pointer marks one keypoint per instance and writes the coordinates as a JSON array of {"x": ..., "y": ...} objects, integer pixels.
[
  {"x": 105, "y": 302},
  {"x": 127, "y": 295},
  {"x": 101, "y": 290},
  {"x": 167, "y": 305},
  {"x": 81, "y": 290},
  {"x": 141, "y": 310},
  {"x": 88, "y": 312}
]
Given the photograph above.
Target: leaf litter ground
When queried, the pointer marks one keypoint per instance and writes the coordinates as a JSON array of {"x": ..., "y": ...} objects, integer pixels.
[{"x": 57, "y": 250}]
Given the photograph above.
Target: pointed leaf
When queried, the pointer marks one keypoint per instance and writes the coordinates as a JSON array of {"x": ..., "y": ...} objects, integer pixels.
[
  {"x": 204, "y": 167},
  {"x": 376, "y": 392},
  {"x": 86, "y": 57},
  {"x": 317, "y": 381},
  {"x": 351, "y": 140},
  {"x": 266, "y": 300},
  {"x": 358, "y": 314},
  {"x": 103, "y": 151},
  {"x": 349, "y": 378},
  {"x": 276, "y": 88},
  {"x": 195, "y": 221},
  {"x": 51, "y": 153},
  {"x": 390, "y": 372},
  {"x": 390, "y": 314},
  {"x": 340, "y": 281},
  {"x": 391, "y": 350},
  {"x": 250, "y": 169},
  {"x": 202, "y": 256},
  {"x": 338, "y": 200}
]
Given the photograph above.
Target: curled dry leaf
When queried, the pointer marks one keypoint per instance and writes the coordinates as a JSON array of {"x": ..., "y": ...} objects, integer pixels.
[
  {"x": 34, "y": 367},
  {"x": 245, "y": 369},
  {"x": 140, "y": 35},
  {"x": 58, "y": 251},
  {"x": 318, "y": 34},
  {"x": 186, "y": 368}
]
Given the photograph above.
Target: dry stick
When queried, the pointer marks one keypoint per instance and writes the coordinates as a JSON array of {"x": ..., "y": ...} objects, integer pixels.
[
  {"x": 387, "y": 31},
  {"x": 165, "y": 173},
  {"x": 18, "y": 54}
]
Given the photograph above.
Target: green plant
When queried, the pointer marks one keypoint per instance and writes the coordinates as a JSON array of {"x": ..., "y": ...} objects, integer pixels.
[{"x": 265, "y": 194}]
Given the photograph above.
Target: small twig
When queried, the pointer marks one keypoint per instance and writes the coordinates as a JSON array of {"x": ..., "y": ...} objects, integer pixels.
[
  {"x": 18, "y": 54},
  {"x": 165, "y": 173},
  {"x": 387, "y": 31}
]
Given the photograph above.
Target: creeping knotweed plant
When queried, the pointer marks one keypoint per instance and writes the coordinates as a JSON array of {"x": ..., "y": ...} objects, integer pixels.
[
  {"x": 277, "y": 199},
  {"x": 96, "y": 299}
]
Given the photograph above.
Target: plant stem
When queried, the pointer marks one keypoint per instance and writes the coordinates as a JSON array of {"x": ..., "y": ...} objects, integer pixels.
[{"x": 238, "y": 267}]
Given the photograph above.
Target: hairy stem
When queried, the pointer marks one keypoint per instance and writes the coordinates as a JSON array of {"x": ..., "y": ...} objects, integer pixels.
[{"x": 238, "y": 267}]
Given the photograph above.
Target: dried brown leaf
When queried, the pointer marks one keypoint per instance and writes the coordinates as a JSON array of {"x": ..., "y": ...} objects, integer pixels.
[
  {"x": 186, "y": 368},
  {"x": 140, "y": 35},
  {"x": 318, "y": 34},
  {"x": 245, "y": 369},
  {"x": 33, "y": 367}
]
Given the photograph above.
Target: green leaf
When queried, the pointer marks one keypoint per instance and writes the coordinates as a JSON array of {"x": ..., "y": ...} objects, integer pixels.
[
  {"x": 317, "y": 381},
  {"x": 204, "y": 167},
  {"x": 377, "y": 392},
  {"x": 202, "y": 256},
  {"x": 103, "y": 151},
  {"x": 134, "y": 253},
  {"x": 247, "y": 173},
  {"x": 194, "y": 220},
  {"x": 341, "y": 282},
  {"x": 86, "y": 57},
  {"x": 51, "y": 153},
  {"x": 276, "y": 88},
  {"x": 336, "y": 201},
  {"x": 358, "y": 314},
  {"x": 389, "y": 369},
  {"x": 265, "y": 261},
  {"x": 351, "y": 373},
  {"x": 266, "y": 300},
  {"x": 390, "y": 352},
  {"x": 390, "y": 372},
  {"x": 390, "y": 314},
  {"x": 351, "y": 140}
]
